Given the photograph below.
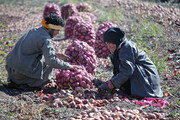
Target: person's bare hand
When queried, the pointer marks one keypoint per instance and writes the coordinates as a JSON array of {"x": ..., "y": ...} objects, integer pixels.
[
  {"x": 63, "y": 57},
  {"x": 75, "y": 67}
]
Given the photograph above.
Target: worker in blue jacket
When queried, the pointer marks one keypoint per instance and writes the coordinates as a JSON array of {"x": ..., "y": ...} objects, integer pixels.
[
  {"x": 134, "y": 73},
  {"x": 30, "y": 63}
]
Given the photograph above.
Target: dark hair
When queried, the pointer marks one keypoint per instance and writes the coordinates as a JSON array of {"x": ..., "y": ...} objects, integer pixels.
[{"x": 54, "y": 19}]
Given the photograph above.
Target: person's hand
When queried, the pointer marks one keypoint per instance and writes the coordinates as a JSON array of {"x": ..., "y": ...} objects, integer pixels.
[
  {"x": 63, "y": 57},
  {"x": 97, "y": 82},
  {"x": 103, "y": 88},
  {"x": 75, "y": 67},
  {"x": 106, "y": 87}
]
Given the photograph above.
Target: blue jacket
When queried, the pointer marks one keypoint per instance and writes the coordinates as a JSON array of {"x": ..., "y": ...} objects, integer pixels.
[
  {"x": 131, "y": 63},
  {"x": 32, "y": 51}
]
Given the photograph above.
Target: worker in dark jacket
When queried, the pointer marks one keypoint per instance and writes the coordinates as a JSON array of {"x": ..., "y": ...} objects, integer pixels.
[
  {"x": 30, "y": 62},
  {"x": 134, "y": 73}
]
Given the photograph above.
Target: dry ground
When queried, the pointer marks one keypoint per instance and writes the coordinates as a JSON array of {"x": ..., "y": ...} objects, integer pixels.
[{"x": 15, "y": 104}]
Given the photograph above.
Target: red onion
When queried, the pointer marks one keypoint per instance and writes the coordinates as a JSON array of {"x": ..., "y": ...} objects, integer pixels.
[
  {"x": 83, "y": 7},
  {"x": 66, "y": 79},
  {"x": 101, "y": 49},
  {"x": 84, "y": 31},
  {"x": 82, "y": 54},
  {"x": 68, "y": 10},
  {"x": 70, "y": 23},
  {"x": 51, "y": 8},
  {"x": 86, "y": 16}
]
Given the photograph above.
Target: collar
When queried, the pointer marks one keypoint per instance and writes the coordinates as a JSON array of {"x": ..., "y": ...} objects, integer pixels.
[{"x": 121, "y": 44}]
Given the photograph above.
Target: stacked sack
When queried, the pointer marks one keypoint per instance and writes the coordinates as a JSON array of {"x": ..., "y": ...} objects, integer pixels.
[
  {"x": 82, "y": 54},
  {"x": 69, "y": 27},
  {"x": 71, "y": 21},
  {"x": 84, "y": 31},
  {"x": 51, "y": 8},
  {"x": 66, "y": 79},
  {"x": 83, "y": 7},
  {"x": 68, "y": 10},
  {"x": 101, "y": 49}
]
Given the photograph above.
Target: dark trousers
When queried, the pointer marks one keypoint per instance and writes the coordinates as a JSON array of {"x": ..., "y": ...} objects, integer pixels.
[
  {"x": 126, "y": 87},
  {"x": 20, "y": 79}
]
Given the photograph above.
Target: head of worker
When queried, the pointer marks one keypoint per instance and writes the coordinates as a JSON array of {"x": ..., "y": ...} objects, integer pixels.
[
  {"x": 53, "y": 23},
  {"x": 113, "y": 37}
]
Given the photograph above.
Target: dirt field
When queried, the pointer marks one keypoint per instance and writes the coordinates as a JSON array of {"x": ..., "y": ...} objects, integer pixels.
[{"x": 17, "y": 17}]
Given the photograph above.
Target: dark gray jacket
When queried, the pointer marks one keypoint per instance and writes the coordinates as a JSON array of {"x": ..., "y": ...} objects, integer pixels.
[
  {"x": 33, "y": 50},
  {"x": 131, "y": 63}
]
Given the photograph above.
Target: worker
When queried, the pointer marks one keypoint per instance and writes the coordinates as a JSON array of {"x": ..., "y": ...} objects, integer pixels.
[
  {"x": 30, "y": 63},
  {"x": 133, "y": 71}
]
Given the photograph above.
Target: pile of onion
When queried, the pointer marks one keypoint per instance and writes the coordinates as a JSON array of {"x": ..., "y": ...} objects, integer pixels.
[
  {"x": 84, "y": 31},
  {"x": 68, "y": 10},
  {"x": 74, "y": 19},
  {"x": 87, "y": 16},
  {"x": 101, "y": 49},
  {"x": 51, "y": 8},
  {"x": 83, "y": 7},
  {"x": 70, "y": 23},
  {"x": 106, "y": 25},
  {"x": 82, "y": 54},
  {"x": 79, "y": 78}
]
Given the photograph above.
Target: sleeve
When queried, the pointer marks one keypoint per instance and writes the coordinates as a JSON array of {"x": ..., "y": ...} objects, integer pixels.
[
  {"x": 51, "y": 58},
  {"x": 126, "y": 67}
]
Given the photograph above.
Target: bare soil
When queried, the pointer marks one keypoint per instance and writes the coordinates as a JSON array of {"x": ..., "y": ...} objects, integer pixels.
[{"x": 18, "y": 104}]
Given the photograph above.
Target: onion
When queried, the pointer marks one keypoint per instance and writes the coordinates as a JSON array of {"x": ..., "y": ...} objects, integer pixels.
[
  {"x": 85, "y": 55},
  {"x": 101, "y": 49},
  {"x": 83, "y": 7},
  {"x": 84, "y": 31},
  {"x": 51, "y": 8},
  {"x": 70, "y": 23},
  {"x": 73, "y": 79},
  {"x": 68, "y": 10},
  {"x": 86, "y": 16}
]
